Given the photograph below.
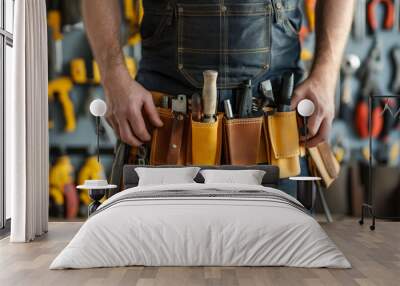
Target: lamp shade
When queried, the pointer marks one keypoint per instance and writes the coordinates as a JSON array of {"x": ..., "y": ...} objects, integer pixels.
[{"x": 98, "y": 107}]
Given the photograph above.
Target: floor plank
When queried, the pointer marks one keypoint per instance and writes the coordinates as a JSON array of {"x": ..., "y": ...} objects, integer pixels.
[{"x": 375, "y": 257}]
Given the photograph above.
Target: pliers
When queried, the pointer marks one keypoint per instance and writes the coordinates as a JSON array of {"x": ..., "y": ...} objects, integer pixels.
[
  {"x": 390, "y": 14},
  {"x": 368, "y": 75}
]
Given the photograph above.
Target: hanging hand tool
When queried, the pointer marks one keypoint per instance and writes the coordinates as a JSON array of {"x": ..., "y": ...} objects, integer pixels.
[
  {"x": 54, "y": 23},
  {"x": 360, "y": 20},
  {"x": 91, "y": 170},
  {"x": 389, "y": 17},
  {"x": 209, "y": 95},
  {"x": 396, "y": 24},
  {"x": 62, "y": 87},
  {"x": 396, "y": 81},
  {"x": 82, "y": 73},
  {"x": 246, "y": 100},
  {"x": 369, "y": 78},
  {"x": 309, "y": 6},
  {"x": 196, "y": 107},
  {"x": 350, "y": 65},
  {"x": 133, "y": 12},
  {"x": 287, "y": 88},
  {"x": 61, "y": 178},
  {"x": 389, "y": 109}
]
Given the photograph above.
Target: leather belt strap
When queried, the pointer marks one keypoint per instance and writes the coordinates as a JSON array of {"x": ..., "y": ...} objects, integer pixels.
[
  {"x": 175, "y": 143},
  {"x": 326, "y": 154}
]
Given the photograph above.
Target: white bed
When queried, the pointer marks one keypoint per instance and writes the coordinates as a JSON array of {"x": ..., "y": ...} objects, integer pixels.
[{"x": 224, "y": 225}]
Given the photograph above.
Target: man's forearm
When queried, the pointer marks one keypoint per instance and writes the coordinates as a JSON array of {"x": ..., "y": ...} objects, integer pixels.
[
  {"x": 333, "y": 18},
  {"x": 102, "y": 21}
]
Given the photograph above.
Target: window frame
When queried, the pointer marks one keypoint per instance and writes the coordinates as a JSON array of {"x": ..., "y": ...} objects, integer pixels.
[{"x": 6, "y": 39}]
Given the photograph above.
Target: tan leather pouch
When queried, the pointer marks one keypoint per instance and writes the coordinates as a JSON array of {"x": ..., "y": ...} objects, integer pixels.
[
  {"x": 282, "y": 137},
  {"x": 206, "y": 142},
  {"x": 169, "y": 143},
  {"x": 242, "y": 140},
  {"x": 324, "y": 163}
]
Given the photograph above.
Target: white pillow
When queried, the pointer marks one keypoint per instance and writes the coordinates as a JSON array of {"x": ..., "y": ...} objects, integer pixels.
[
  {"x": 248, "y": 177},
  {"x": 164, "y": 176}
]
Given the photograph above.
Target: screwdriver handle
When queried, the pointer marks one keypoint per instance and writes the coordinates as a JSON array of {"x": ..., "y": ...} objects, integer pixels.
[{"x": 209, "y": 95}]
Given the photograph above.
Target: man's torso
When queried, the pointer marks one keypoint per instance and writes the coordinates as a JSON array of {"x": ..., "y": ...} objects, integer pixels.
[{"x": 245, "y": 39}]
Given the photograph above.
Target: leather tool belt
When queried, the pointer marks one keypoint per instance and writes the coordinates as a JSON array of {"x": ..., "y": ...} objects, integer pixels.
[{"x": 270, "y": 139}]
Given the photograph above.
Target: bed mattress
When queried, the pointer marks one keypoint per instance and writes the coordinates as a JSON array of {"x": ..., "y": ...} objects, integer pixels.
[{"x": 201, "y": 225}]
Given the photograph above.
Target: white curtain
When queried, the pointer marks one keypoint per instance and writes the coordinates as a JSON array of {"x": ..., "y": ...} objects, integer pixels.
[{"x": 27, "y": 159}]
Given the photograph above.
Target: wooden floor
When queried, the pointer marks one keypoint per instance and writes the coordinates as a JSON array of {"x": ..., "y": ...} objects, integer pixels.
[{"x": 375, "y": 257}]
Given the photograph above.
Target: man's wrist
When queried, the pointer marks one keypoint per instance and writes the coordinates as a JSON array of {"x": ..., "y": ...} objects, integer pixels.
[
  {"x": 324, "y": 74},
  {"x": 117, "y": 73}
]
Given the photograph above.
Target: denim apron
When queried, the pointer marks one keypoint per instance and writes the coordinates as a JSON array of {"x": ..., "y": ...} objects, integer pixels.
[{"x": 241, "y": 39}]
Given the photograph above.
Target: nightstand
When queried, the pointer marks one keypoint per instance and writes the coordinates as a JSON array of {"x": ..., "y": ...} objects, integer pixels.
[
  {"x": 306, "y": 192},
  {"x": 97, "y": 189}
]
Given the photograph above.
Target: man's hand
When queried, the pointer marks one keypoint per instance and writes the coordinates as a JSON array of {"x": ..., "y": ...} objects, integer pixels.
[
  {"x": 322, "y": 95},
  {"x": 333, "y": 22},
  {"x": 127, "y": 100},
  {"x": 127, "y": 103}
]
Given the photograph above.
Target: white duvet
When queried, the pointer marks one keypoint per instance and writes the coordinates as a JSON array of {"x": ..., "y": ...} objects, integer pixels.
[{"x": 188, "y": 231}]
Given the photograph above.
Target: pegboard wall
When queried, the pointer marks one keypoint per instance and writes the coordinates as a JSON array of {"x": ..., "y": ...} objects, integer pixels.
[
  {"x": 81, "y": 143},
  {"x": 344, "y": 132}
]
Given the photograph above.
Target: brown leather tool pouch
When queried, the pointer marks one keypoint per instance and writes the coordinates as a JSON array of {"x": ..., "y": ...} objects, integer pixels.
[
  {"x": 205, "y": 142},
  {"x": 282, "y": 142},
  {"x": 242, "y": 140},
  {"x": 323, "y": 163},
  {"x": 168, "y": 144}
]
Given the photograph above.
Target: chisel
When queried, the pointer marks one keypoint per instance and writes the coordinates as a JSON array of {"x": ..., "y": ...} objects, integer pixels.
[{"x": 209, "y": 95}]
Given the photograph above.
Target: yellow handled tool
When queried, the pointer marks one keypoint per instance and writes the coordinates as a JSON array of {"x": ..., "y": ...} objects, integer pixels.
[
  {"x": 60, "y": 174},
  {"x": 80, "y": 73},
  {"x": 61, "y": 185},
  {"x": 91, "y": 170},
  {"x": 133, "y": 12},
  {"x": 61, "y": 87},
  {"x": 54, "y": 22}
]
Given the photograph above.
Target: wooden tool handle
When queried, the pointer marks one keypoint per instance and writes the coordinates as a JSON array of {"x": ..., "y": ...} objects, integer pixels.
[
  {"x": 209, "y": 94},
  {"x": 196, "y": 107}
]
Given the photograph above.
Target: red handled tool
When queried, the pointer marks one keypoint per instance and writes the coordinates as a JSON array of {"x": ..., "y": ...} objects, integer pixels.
[
  {"x": 368, "y": 75},
  {"x": 390, "y": 14}
]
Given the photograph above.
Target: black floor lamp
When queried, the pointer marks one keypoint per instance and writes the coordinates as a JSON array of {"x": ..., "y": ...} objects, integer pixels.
[{"x": 368, "y": 206}]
